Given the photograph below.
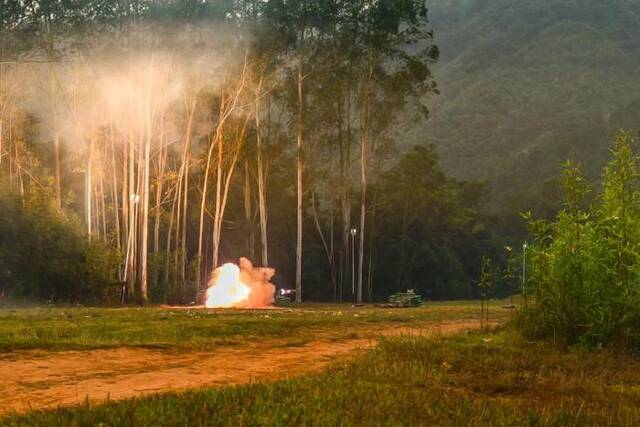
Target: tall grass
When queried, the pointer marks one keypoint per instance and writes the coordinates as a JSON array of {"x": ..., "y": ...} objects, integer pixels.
[{"x": 585, "y": 264}]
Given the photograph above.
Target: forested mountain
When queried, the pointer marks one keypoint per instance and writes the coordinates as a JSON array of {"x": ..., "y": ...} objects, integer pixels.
[{"x": 524, "y": 85}]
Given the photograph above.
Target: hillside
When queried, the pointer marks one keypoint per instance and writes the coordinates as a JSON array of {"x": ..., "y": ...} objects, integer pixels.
[{"x": 525, "y": 85}]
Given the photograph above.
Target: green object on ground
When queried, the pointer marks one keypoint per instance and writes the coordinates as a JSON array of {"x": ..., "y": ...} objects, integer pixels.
[
  {"x": 406, "y": 299},
  {"x": 283, "y": 302}
]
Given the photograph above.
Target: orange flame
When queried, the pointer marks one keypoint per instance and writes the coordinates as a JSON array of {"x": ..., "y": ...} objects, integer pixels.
[{"x": 242, "y": 286}]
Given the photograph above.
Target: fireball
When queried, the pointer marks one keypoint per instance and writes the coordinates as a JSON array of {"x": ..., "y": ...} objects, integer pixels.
[
  {"x": 242, "y": 286},
  {"x": 227, "y": 290}
]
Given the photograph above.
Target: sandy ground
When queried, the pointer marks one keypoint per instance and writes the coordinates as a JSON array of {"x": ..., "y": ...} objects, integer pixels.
[{"x": 34, "y": 379}]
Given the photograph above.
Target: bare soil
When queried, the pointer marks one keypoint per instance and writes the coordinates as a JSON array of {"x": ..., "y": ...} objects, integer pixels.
[{"x": 33, "y": 380}]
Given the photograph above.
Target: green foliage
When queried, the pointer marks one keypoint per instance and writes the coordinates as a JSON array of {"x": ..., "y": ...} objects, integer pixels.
[
  {"x": 584, "y": 265},
  {"x": 44, "y": 258},
  {"x": 470, "y": 380},
  {"x": 488, "y": 277},
  {"x": 430, "y": 235}
]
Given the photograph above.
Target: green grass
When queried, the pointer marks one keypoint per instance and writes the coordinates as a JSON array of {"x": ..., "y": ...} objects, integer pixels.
[
  {"x": 468, "y": 379},
  {"x": 72, "y": 328}
]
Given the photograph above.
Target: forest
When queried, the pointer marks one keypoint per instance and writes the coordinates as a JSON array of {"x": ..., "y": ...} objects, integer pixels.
[{"x": 146, "y": 143}]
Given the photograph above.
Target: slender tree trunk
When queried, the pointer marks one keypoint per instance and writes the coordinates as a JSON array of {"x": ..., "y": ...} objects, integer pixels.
[
  {"x": 203, "y": 202},
  {"x": 20, "y": 179},
  {"x": 370, "y": 276},
  {"x": 326, "y": 244},
  {"x": 345, "y": 196},
  {"x": 139, "y": 219},
  {"x": 10, "y": 150},
  {"x": 144, "y": 251},
  {"x": 363, "y": 215},
  {"x": 131, "y": 197},
  {"x": 157, "y": 210},
  {"x": 183, "y": 266},
  {"x": 262, "y": 198},
  {"x": 88, "y": 186},
  {"x": 207, "y": 248},
  {"x": 56, "y": 134},
  {"x": 364, "y": 143},
  {"x": 178, "y": 201},
  {"x": 216, "y": 216},
  {"x": 364, "y": 154},
  {"x": 248, "y": 211},
  {"x": 103, "y": 205},
  {"x": 114, "y": 185},
  {"x": 169, "y": 234},
  {"x": 124, "y": 237},
  {"x": 56, "y": 157},
  {"x": 333, "y": 256},
  {"x": 299, "y": 164},
  {"x": 126, "y": 195},
  {"x": 96, "y": 207},
  {"x": 372, "y": 236}
]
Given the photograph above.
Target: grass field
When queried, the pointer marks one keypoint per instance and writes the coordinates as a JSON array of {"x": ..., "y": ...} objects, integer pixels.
[
  {"x": 73, "y": 328},
  {"x": 470, "y": 378}
]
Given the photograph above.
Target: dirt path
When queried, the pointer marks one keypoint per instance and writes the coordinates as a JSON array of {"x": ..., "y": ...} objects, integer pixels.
[{"x": 37, "y": 380}]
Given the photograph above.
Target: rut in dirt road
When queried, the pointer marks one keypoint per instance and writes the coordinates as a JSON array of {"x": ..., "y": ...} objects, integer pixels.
[{"x": 37, "y": 380}]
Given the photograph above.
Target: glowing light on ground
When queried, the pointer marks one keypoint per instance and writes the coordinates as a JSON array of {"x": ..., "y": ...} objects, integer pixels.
[
  {"x": 228, "y": 290},
  {"x": 241, "y": 286}
]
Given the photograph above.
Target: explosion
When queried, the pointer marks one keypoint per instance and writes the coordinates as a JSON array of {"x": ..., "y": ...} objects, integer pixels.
[{"x": 241, "y": 286}]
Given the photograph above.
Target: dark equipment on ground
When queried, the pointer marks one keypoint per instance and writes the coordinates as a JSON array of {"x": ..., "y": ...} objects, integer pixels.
[
  {"x": 403, "y": 300},
  {"x": 285, "y": 297}
]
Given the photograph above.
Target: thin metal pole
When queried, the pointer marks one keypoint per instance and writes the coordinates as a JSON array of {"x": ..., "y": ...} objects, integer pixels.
[
  {"x": 353, "y": 264},
  {"x": 524, "y": 272}
]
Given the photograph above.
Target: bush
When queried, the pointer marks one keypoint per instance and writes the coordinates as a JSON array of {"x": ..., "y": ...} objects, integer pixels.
[
  {"x": 585, "y": 266},
  {"x": 44, "y": 257}
]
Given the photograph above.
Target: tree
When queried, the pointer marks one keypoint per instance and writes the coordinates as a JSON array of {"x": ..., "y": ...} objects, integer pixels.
[{"x": 430, "y": 234}]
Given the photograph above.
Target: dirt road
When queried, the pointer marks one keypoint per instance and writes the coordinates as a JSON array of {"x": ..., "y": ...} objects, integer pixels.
[{"x": 34, "y": 379}]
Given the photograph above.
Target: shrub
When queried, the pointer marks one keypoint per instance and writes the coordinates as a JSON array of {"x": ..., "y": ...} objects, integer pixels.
[
  {"x": 43, "y": 257},
  {"x": 585, "y": 266}
]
